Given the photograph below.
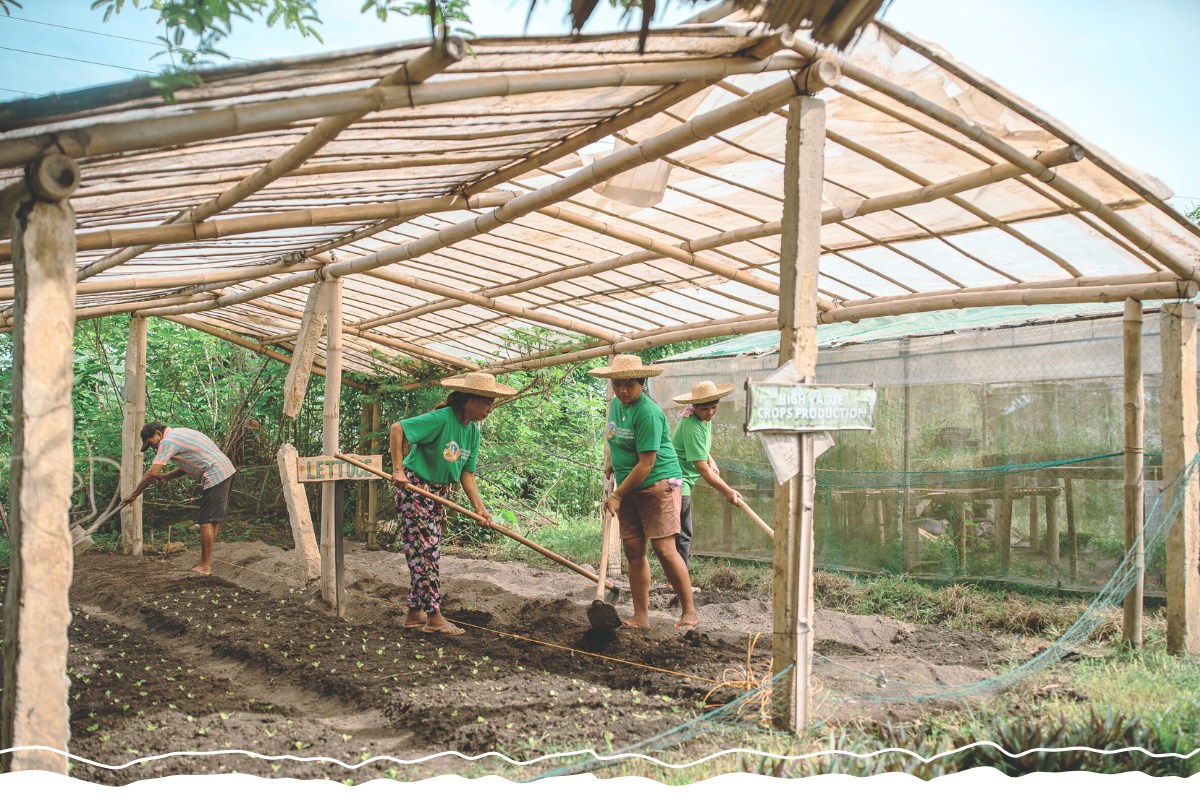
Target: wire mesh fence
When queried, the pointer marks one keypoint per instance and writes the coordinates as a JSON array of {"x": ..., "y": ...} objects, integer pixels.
[{"x": 997, "y": 452}]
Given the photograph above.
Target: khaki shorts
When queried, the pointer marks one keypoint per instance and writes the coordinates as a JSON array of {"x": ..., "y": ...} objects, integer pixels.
[{"x": 651, "y": 512}]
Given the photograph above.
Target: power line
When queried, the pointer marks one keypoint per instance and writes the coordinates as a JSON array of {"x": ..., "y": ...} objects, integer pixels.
[
  {"x": 17, "y": 91},
  {"x": 112, "y": 36},
  {"x": 80, "y": 60}
]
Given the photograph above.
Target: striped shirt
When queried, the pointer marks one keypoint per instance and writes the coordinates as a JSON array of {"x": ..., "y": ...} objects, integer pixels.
[{"x": 195, "y": 454}]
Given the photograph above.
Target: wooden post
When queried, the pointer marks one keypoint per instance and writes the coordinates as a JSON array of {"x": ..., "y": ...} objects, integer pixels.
[
  {"x": 910, "y": 543},
  {"x": 960, "y": 523},
  {"x": 1072, "y": 541},
  {"x": 373, "y": 486},
  {"x": 1033, "y": 518},
  {"x": 1003, "y": 536},
  {"x": 1178, "y": 338},
  {"x": 1135, "y": 477},
  {"x": 798, "y": 274},
  {"x": 1053, "y": 543},
  {"x": 880, "y": 520},
  {"x": 33, "y": 708},
  {"x": 330, "y": 591},
  {"x": 132, "y": 460},
  {"x": 296, "y": 382},
  {"x": 296, "y": 500}
]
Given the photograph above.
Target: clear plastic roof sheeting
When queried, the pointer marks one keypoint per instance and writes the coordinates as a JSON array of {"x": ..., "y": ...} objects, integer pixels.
[{"x": 928, "y": 193}]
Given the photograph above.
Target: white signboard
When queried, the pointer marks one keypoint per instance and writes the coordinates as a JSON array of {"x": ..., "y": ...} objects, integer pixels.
[{"x": 806, "y": 407}]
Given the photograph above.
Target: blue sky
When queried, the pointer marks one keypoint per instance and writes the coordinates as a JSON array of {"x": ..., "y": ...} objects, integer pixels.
[{"x": 1117, "y": 73}]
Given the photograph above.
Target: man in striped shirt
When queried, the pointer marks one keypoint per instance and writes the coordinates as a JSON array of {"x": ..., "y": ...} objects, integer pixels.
[{"x": 197, "y": 455}]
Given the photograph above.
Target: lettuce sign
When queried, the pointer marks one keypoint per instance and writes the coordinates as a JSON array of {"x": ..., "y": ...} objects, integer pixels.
[{"x": 808, "y": 407}]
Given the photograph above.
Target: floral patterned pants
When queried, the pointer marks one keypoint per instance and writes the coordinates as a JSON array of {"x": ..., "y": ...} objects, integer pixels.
[{"x": 421, "y": 524}]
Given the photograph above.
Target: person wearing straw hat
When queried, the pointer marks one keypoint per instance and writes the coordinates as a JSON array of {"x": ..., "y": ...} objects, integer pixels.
[
  {"x": 693, "y": 445},
  {"x": 647, "y": 496},
  {"x": 444, "y": 450}
]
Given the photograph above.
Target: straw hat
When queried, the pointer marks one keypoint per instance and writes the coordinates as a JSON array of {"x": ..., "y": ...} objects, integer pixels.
[
  {"x": 481, "y": 383},
  {"x": 626, "y": 365},
  {"x": 704, "y": 392}
]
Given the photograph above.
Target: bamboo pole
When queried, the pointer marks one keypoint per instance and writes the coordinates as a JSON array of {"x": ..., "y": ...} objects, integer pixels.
[
  {"x": 360, "y": 490},
  {"x": 1013, "y": 297},
  {"x": 759, "y": 323},
  {"x": 201, "y": 125},
  {"x": 225, "y": 335},
  {"x": 1007, "y": 152},
  {"x": 1135, "y": 490},
  {"x": 1053, "y": 542},
  {"x": 330, "y": 590},
  {"x": 1072, "y": 539},
  {"x": 1003, "y": 533},
  {"x": 1177, "y": 326},
  {"x": 176, "y": 233},
  {"x": 414, "y": 71},
  {"x": 422, "y": 353},
  {"x": 570, "y": 145},
  {"x": 1034, "y": 524},
  {"x": 373, "y": 487},
  {"x": 799, "y": 265},
  {"x": 500, "y": 306},
  {"x": 132, "y": 419},
  {"x": 755, "y": 105},
  {"x": 829, "y": 217},
  {"x": 1001, "y": 95},
  {"x": 670, "y": 251},
  {"x": 35, "y": 715}
]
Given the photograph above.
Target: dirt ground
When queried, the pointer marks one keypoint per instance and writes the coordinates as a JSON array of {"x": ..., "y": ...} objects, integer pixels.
[{"x": 165, "y": 661}]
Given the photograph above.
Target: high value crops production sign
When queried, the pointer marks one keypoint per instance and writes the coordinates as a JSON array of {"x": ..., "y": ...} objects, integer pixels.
[{"x": 808, "y": 407}]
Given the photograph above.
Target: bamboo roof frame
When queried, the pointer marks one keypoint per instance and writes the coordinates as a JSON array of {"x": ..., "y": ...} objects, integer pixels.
[{"x": 460, "y": 195}]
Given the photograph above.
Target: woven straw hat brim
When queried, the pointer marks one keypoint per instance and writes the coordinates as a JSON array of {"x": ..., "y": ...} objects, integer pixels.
[
  {"x": 644, "y": 372},
  {"x": 461, "y": 384},
  {"x": 687, "y": 399}
]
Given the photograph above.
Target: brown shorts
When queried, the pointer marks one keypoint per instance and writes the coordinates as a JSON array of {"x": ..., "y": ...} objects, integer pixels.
[
  {"x": 214, "y": 502},
  {"x": 652, "y": 511}
]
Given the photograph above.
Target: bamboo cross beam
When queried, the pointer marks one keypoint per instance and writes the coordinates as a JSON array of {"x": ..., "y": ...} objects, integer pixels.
[
  {"x": 1156, "y": 195},
  {"x": 662, "y": 249},
  {"x": 819, "y": 74},
  {"x": 619, "y": 121},
  {"x": 411, "y": 72},
  {"x": 268, "y": 115},
  {"x": 830, "y": 216},
  {"x": 225, "y": 335},
  {"x": 1007, "y": 152},
  {"x": 1159, "y": 290},
  {"x": 256, "y": 223}
]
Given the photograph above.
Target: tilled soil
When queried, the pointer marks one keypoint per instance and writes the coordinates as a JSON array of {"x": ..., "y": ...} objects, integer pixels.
[{"x": 165, "y": 661}]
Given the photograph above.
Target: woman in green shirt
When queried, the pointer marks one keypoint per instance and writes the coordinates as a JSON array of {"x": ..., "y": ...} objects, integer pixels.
[
  {"x": 647, "y": 496},
  {"x": 444, "y": 449},
  {"x": 693, "y": 445}
]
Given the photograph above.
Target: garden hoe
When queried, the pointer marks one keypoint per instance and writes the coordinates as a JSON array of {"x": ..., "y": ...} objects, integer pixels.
[
  {"x": 613, "y": 591},
  {"x": 81, "y": 540},
  {"x": 602, "y": 614}
]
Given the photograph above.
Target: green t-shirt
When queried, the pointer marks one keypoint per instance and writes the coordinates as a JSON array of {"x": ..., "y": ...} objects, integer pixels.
[
  {"x": 693, "y": 441},
  {"x": 442, "y": 447},
  {"x": 640, "y": 428}
]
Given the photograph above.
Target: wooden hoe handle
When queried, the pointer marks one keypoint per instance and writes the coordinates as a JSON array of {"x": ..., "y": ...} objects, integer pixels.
[
  {"x": 487, "y": 523},
  {"x": 767, "y": 529}
]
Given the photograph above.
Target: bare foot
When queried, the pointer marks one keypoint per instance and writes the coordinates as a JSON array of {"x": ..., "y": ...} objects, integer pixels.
[
  {"x": 637, "y": 621},
  {"x": 445, "y": 629},
  {"x": 415, "y": 619},
  {"x": 203, "y": 569},
  {"x": 688, "y": 622}
]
